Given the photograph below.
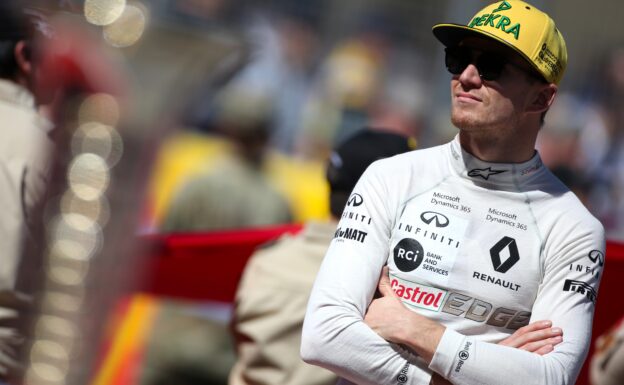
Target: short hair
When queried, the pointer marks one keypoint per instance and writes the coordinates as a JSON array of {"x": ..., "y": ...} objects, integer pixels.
[{"x": 14, "y": 26}]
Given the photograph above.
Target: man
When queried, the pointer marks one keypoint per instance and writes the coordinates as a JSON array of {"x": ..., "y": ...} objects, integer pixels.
[
  {"x": 478, "y": 236},
  {"x": 24, "y": 146},
  {"x": 274, "y": 291},
  {"x": 236, "y": 193}
]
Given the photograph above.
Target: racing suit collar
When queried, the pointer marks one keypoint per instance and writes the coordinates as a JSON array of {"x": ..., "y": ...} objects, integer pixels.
[{"x": 502, "y": 175}]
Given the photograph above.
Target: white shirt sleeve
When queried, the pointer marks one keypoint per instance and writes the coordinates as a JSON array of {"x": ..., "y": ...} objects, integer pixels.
[
  {"x": 334, "y": 334},
  {"x": 566, "y": 297}
]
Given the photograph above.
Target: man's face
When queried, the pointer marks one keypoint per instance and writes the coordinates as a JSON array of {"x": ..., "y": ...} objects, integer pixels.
[{"x": 485, "y": 101}]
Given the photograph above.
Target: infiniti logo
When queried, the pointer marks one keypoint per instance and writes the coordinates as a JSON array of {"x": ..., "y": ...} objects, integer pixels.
[
  {"x": 596, "y": 256},
  {"x": 507, "y": 244},
  {"x": 355, "y": 200},
  {"x": 440, "y": 219}
]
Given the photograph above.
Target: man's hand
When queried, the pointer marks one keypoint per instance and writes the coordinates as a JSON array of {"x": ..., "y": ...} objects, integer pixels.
[
  {"x": 387, "y": 315},
  {"x": 389, "y": 318},
  {"x": 536, "y": 337}
]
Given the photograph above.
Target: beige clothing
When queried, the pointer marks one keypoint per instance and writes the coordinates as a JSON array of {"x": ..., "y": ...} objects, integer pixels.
[
  {"x": 24, "y": 150},
  {"x": 607, "y": 363},
  {"x": 270, "y": 304}
]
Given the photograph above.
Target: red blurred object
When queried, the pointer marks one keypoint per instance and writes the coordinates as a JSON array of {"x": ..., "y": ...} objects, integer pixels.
[
  {"x": 203, "y": 266},
  {"x": 75, "y": 58},
  {"x": 74, "y": 62},
  {"x": 610, "y": 304}
]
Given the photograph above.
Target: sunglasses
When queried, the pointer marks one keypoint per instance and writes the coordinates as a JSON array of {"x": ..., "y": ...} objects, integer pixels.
[{"x": 489, "y": 64}]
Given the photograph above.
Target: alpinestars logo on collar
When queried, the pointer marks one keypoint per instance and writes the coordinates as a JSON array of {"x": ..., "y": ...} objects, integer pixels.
[{"x": 484, "y": 173}]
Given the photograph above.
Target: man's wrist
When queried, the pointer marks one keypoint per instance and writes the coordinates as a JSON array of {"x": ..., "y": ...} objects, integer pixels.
[{"x": 422, "y": 335}]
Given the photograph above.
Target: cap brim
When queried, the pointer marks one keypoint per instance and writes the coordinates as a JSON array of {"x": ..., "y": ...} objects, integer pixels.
[{"x": 452, "y": 34}]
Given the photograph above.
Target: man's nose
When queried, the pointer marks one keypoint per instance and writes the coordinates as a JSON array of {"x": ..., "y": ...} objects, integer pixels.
[{"x": 470, "y": 77}]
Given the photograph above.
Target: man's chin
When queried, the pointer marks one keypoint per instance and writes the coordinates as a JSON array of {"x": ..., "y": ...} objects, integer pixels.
[{"x": 464, "y": 122}]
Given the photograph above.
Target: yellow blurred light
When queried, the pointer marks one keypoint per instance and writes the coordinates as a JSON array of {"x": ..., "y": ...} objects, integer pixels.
[
  {"x": 101, "y": 107},
  {"x": 80, "y": 223},
  {"x": 66, "y": 249},
  {"x": 99, "y": 139},
  {"x": 96, "y": 210},
  {"x": 56, "y": 327},
  {"x": 68, "y": 276},
  {"x": 61, "y": 302},
  {"x": 74, "y": 237},
  {"x": 103, "y": 12},
  {"x": 50, "y": 349},
  {"x": 88, "y": 176},
  {"x": 48, "y": 373},
  {"x": 127, "y": 29}
]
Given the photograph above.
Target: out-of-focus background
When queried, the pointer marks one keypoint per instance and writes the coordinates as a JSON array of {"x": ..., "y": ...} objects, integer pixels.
[
  {"x": 316, "y": 70},
  {"x": 227, "y": 99}
]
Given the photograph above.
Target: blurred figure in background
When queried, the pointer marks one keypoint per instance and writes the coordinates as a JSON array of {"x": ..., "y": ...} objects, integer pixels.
[
  {"x": 283, "y": 67},
  {"x": 273, "y": 294},
  {"x": 607, "y": 147},
  {"x": 570, "y": 143},
  {"x": 349, "y": 82},
  {"x": 234, "y": 193},
  {"x": 237, "y": 193},
  {"x": 284, "y": 47},
  {"x": 25, "y": 148},
  {"x": 188, "y": 347}
]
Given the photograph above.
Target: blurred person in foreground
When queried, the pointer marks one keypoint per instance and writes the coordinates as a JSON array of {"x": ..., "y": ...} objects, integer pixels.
[
  {"x": 237, "y": 192},
  {"x": 607, "y": 363},
  {"x": 468, "y": 241},
  {"x": 25, "y": 150},
  {"x": 273, "y": 293}
]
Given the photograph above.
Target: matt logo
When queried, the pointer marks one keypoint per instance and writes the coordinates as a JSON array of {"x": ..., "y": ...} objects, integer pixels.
[
  {"x": 504, "y": 254},
  {"x": 484, "y": 173},
  {"x": 439, "y": 220},
  {"x": 355, "y": 200},
  {"x": 408, "y": 254},
  {"x": 596, "y": 256},
  {"x": 581, "y": 288},
  {"x": 348, "y": 233}
]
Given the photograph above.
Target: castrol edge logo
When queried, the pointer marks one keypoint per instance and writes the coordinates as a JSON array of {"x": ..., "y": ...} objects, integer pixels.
[{"x": 417, "y": 295}]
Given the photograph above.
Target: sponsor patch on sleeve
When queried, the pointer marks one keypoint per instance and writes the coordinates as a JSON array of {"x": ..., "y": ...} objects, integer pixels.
[{"x": 580, "y": 287}]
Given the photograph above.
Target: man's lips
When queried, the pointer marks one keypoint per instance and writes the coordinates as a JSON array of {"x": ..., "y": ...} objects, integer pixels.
[{"x": 465, "y": 96}]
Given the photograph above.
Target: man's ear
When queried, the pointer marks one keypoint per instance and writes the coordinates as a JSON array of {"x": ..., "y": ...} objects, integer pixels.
[
  {"x": 22, "y": 54},
  {"x": 543, "y": 98}
]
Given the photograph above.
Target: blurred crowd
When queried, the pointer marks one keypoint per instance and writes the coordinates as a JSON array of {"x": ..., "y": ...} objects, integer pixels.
[{"x": 308, "y": 84}]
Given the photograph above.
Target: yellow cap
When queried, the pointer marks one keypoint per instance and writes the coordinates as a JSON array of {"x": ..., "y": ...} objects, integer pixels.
[{"x": 520, "y": 26}]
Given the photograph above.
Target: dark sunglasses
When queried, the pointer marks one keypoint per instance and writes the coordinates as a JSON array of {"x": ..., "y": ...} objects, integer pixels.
[{"x": 489, "y": 64}]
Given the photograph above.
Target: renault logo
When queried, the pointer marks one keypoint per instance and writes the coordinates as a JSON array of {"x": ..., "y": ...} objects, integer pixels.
[
  {"x": 505, "y": 247},
  {"x": 355, "y": 200},
  {"x": 431, "y": 216}
]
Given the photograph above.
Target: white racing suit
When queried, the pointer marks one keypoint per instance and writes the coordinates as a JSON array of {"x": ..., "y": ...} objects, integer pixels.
[{"x": 481, "y": 248}]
